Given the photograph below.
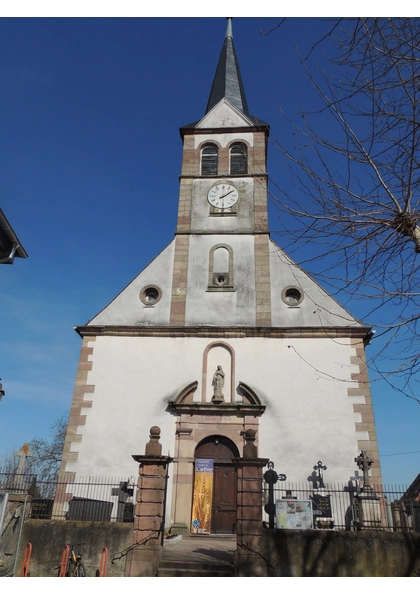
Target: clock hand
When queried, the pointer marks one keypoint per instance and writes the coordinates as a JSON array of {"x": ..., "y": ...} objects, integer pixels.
[{"x": 224, "y": 196}]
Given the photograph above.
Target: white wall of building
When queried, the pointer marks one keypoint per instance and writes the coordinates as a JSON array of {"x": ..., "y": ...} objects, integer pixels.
[{"x": 302, "y": 382}]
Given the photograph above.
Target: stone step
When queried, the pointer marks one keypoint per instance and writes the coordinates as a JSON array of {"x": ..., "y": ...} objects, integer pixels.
[{"x": 189, "y": 569}]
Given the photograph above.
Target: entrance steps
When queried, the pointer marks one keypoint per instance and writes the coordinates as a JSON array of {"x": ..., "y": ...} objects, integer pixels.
[
  {"x": 199, "y": 556},
  {"x": 191, "y": 569}
]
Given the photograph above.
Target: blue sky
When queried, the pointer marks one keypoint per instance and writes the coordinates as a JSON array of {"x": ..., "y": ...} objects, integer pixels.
[{"x": 90, "y": 157}]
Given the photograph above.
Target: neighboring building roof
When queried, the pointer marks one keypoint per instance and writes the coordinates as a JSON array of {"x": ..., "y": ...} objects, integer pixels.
[
  {"x": 227, "y": 83},
  {"x": 10, "y": 247},
  {"x": 413, "y": 491}
]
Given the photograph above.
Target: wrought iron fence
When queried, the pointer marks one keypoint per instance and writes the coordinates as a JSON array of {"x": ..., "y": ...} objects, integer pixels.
[
  {"x": 339, "y": 507},
  {"x": 97, "y": 499},
  {"x": 342, "y": 507}
]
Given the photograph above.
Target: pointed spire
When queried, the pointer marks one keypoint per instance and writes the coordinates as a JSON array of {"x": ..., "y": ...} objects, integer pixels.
[{"x": 227, "y": 80}]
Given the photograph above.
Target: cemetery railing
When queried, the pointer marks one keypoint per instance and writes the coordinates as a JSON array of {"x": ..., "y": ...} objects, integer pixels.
[
  {"x": 342, "y": 507},
  {"x": 113, "y": 498},
  {"x": 98, "y": 499}
]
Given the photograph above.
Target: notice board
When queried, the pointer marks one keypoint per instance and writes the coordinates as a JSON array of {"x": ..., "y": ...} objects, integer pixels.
[{"x": 294, "y": 514}]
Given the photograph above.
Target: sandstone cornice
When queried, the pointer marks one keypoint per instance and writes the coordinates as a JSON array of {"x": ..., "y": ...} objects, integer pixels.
[
  {"x": 227, "y": 332},
  {"x": 224, "y": 408}
]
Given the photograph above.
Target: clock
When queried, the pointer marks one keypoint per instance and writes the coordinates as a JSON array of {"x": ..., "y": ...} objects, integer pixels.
[{"x": 223, "y": 196}]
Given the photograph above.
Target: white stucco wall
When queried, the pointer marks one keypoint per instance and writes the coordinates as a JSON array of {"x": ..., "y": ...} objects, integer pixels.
[
  {"x": 302, "y": 382},
  {"x": 236, "y": 308}
]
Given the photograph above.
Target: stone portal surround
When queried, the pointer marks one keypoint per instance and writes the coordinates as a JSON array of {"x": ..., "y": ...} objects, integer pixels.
[
  {"x": 190, "y": 431},
  {"x": 365, "y": 409}
]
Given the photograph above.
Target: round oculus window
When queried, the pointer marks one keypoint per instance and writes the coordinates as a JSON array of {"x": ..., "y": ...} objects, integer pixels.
[
  {"x": 220, "y": 279},
  {"x": 150, "y": 295},
  {"x": 292, "y": 296}
]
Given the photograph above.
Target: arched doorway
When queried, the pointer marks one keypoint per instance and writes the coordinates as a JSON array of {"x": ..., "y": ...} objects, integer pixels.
[{"x": 218, "y": 451}]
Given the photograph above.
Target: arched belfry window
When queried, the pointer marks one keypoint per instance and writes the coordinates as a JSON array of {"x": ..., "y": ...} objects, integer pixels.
[
  {"x": 209, "y": 159},
  {"x": 238, "y": 158},
  {"x": 221, "y": 268}
]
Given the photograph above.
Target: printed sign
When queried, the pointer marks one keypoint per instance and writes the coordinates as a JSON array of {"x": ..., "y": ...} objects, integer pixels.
[
  {"x": 203, "y": 495},
  {"x": 294, "y": 514}
]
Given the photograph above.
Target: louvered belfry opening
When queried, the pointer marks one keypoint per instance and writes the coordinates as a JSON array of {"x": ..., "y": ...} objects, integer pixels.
[
  {"x": 238, "y": 158},
  {"x": 209, "y": 159}
]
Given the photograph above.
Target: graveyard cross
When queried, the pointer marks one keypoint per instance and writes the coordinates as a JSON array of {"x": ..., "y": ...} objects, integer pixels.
[
  {"x": 320, "y": 468},
  {"x": 364, "y": 462},
  {"x": 271, "y": 477},
  {"x": 23, "y": 454}
]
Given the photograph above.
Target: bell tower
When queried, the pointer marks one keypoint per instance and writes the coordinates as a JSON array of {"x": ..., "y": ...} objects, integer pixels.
[{"x": 222, "y": 232}]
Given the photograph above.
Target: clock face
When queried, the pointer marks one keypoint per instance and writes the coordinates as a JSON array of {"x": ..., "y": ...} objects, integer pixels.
[{"x": 223, "y": 196}]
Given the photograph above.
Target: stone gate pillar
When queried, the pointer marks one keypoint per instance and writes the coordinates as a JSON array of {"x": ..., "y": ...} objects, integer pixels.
[
  {"x": 149, "y": 517},
  {"x": 249, "y": 558}
]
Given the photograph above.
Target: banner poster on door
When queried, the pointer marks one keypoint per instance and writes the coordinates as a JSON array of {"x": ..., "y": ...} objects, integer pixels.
[
  {"x": 203, "y": 496},
  {"x": 294, "y": 514}
]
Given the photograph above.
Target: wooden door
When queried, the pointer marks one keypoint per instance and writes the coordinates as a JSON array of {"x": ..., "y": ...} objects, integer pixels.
[
  {"x": 224, "y": 507},
  {"x": 221, "y": 450}
]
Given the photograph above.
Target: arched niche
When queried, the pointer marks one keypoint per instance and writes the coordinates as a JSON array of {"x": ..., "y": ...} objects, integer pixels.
[
  {"x": 221, "y": 268},
  {"x": 218, "y": 353}
]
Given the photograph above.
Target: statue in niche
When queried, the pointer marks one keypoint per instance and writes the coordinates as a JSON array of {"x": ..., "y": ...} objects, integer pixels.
[{"x": 218, "y": 383}]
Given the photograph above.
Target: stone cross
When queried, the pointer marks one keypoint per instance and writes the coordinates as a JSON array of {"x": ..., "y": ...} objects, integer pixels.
[
  {"x": 320, "y": 468},
  {"x": 364, "y": 462},
  {"x": 23, "y": 454}
]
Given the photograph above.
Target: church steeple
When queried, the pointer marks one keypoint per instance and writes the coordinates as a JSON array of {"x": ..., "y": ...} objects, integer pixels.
[{"x": 227, "y": 81}]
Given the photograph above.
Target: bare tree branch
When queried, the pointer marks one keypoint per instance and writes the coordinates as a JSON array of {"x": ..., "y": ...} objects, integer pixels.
[{"x": 354, "y": 183}]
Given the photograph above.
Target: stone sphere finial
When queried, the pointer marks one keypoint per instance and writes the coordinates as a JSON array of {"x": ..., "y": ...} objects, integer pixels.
[
  {"x": 155, "y": 432},
  {"x": 154, "y": 448},
  {"x": 250, "y": 449},
  {"x": 250, "y": 435}
]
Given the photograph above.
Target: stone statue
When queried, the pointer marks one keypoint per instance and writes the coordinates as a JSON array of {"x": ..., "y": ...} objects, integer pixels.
[{"x": 218, "y": 383}]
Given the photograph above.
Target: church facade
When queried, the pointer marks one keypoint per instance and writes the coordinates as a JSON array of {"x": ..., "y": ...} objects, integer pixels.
[{"x": 221, "y": 333}]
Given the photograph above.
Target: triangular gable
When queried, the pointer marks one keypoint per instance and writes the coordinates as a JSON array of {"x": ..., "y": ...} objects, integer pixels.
[
  {"x": 224, "y": 115},
  {"x": 127, "y": 309},
  {"x": 317, "y": 309}
]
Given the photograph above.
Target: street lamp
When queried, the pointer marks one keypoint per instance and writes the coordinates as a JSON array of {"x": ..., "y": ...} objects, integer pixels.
[{"x": 1, "y": 391}]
